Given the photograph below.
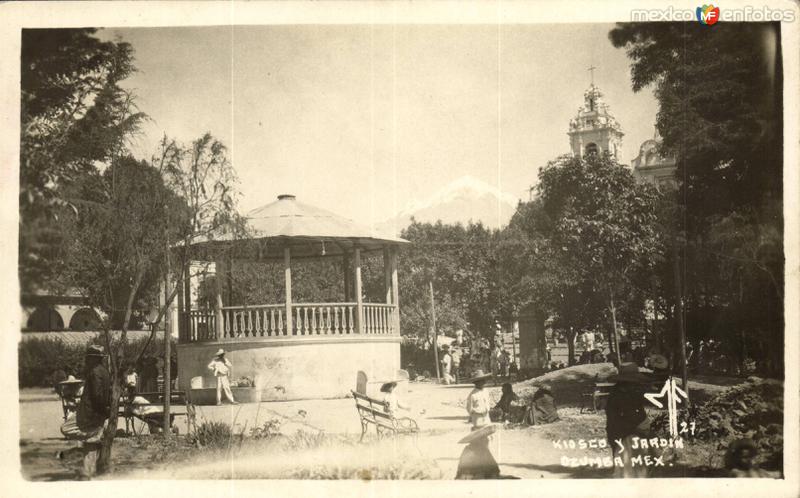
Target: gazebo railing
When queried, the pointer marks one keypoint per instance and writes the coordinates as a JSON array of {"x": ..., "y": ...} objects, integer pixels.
[
  {"x": 269, "y": 321},
  {"x": 379, "y": 319}
]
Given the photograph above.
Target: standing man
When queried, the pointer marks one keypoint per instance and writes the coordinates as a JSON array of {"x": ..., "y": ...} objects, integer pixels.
[
  {"x": 478, "y": 401},
  {"x": 93, "y": 411},
  {"x": 221, "y": 368},
  {"x": 456, "y": 355},
  {"x": 447, "y": 364}
]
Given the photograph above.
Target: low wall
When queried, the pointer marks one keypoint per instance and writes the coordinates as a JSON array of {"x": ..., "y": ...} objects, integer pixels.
[{"x": 304, "y": 368}]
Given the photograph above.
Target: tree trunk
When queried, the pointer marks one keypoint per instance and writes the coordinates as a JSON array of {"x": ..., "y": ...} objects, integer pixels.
[
  {"x": 570, "y": 334},
  {"x": 612, "y": 307},
  {"x": 104, "y": 458}
]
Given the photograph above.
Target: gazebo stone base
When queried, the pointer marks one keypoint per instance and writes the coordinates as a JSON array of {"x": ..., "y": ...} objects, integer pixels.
[{"x": 289, "y": 369}]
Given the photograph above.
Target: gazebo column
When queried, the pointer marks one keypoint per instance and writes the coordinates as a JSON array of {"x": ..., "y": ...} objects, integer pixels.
[
  {"x": 395, "y": 289},
  {"x": 359, "y": 301},
  {"x": 287, "y": 277},
  {"x": 387, "y": 275}
]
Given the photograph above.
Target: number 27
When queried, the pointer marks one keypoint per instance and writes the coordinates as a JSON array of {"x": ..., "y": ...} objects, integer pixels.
[{"x": 687, "y": 428}]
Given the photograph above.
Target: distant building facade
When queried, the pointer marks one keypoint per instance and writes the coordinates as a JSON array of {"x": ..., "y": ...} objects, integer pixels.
[{"x": 652, "y": 167}]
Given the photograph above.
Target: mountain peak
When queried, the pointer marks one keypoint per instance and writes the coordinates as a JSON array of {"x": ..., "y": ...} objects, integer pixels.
[{"x": 463, "y": 200}]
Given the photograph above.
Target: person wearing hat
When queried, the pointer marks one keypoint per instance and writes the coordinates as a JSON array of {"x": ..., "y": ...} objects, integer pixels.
[
  {"x": 92, "y": 412},
  {"x": 478, "y": 404},
  {"x": 393, "y": 403},
  {"x": 477, "y": 461},
  {"x": 626, "y": 418},
  {"x": 221, "y": 368},
  {"x": 447, "y": 365}
]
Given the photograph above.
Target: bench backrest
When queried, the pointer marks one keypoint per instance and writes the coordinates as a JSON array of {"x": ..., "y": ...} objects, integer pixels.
[{"x": 364, "y": 402}]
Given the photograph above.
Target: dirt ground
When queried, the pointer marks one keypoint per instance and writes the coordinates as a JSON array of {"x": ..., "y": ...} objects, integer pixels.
[
  {"x": 524, "y": 452},
  {"x": 521, "y": 452}
]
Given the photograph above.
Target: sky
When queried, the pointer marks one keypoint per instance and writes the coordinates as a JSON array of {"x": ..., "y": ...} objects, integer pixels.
[{"x": 365, "y": 119}]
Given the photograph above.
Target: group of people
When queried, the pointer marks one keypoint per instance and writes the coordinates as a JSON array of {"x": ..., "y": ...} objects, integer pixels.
[{"x": 483, "y": 355}]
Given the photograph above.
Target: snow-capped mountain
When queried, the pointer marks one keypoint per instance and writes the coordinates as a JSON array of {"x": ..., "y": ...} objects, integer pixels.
[{"x": 463, "y": 200}]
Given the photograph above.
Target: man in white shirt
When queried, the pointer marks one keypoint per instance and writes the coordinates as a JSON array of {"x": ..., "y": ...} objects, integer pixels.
[
  {"x": 221, "y": 367},
  {"x": 478, "y": 403},
  {"x": 447, "y": 364}
]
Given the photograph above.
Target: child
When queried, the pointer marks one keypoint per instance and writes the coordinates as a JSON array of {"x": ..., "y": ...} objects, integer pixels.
[{"x": 478, "y": 401}]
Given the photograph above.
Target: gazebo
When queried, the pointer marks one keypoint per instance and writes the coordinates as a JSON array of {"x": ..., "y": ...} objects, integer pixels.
[{"x": 295, "y": 350}]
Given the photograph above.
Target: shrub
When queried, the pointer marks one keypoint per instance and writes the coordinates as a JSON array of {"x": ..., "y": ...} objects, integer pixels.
[
  {"x": 269, "y": 430},
  {"x": 211, "y": 434},
  {"x": 41, "y": 358}
]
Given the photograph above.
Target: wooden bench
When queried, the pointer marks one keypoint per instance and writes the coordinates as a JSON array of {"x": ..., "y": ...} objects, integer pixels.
[
  {"x": 373, "y": 411},
  {"x": 598, "y": 391}
]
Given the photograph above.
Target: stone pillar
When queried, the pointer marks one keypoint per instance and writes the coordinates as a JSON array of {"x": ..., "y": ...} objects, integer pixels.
[{"x": 532, "y": 342}]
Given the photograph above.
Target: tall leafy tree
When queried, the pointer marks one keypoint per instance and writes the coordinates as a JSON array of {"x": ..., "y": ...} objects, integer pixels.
[
  {"x": 74, "y": 115},
  {"x": 603, "y": 230},
  {"x": 461, "y": 262},
  {"x": 720, "y": 115}
]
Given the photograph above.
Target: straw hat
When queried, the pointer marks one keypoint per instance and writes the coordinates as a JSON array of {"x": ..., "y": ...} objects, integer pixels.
[
  {"x": 71, "y": 380},
  {"x": 219, "y": 352},
  {"x": 629, "y": 372},
  {"x": 485, "y": 431},
  {"x": 390, "y": 382},
  {"x": 479, "y": 375}
]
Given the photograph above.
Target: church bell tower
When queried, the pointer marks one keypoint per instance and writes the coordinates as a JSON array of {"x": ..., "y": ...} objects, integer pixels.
[{"x": 594, "y": 130}]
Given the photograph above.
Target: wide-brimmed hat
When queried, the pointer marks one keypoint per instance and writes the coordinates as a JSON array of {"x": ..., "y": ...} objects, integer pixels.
[
  {"x": 485, "y": 431},
  {"x": 629, "y": 372},
  {"x": 71, "y": 380},
  {"x": 658, "y": 361},
  {"x": 95, "y": 350},
  {"x": 391, "y": 381},
  {"x": 219, "y": 352},
  {"x": 480, "y": 375}
]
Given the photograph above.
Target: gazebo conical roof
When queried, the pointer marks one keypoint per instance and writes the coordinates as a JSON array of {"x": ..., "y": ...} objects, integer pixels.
[{"x": 309, "y": 231}]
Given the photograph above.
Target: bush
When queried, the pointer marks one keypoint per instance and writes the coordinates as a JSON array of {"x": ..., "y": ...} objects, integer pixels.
[
  {"x": 269, "y": 430},
  {"x": 753, "y": 410},
  {"x": 215, "y": 435},
  {"x": 41, "y": 358}
]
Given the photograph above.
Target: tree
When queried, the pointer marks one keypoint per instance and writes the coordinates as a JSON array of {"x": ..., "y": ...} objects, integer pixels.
[
  {"x": 461, "y": 262},
  {"x": 134, "y": 227},
  {"x": 720, "y": 115},
  {"x": 74, "y": 114},
  {"x": 603, "y": 230},
  {"x": 533, "y": 275}
]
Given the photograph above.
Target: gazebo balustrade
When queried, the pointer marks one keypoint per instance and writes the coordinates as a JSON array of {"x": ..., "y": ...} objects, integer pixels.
[{"x": 269, "y": 321}]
